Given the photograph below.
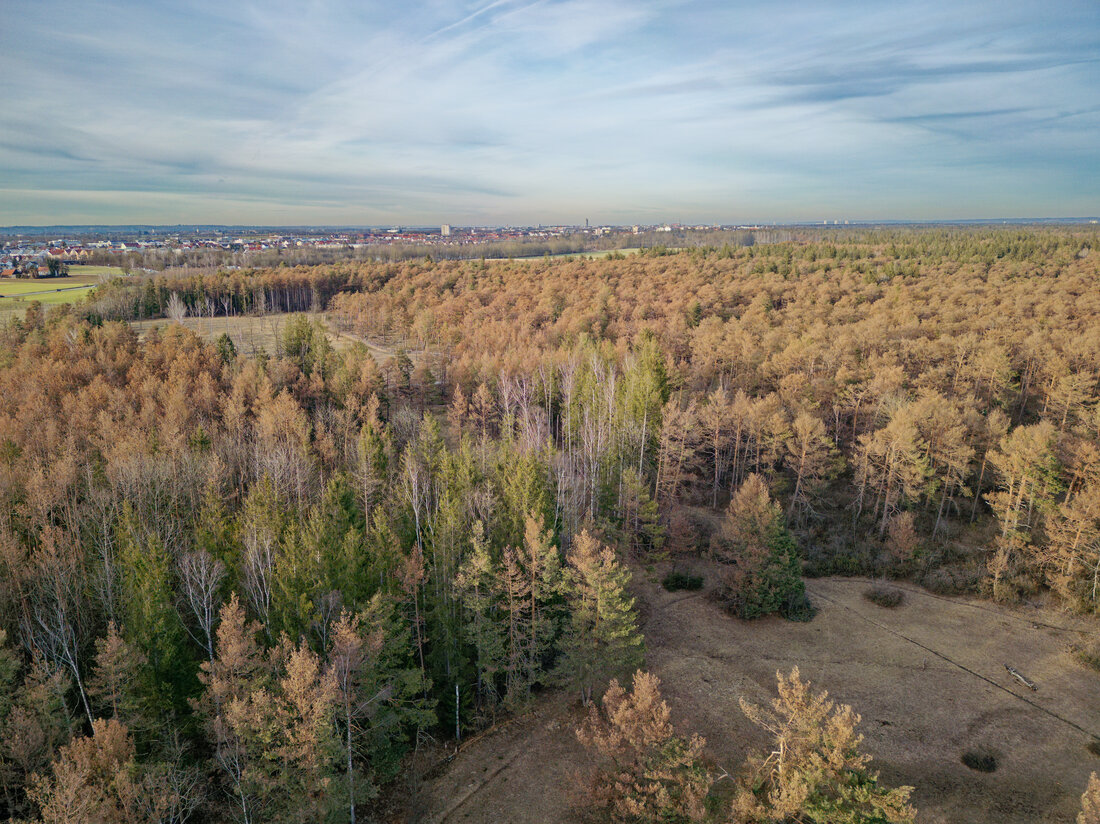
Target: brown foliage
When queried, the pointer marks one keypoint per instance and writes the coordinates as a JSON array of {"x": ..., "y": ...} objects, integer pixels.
[
  {"x": 644, "y": 772},
  {"x": 1090, "y": 802}
]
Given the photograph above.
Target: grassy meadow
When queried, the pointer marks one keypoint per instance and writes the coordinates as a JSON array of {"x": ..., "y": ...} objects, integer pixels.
[{"x": 17, "y": 293}]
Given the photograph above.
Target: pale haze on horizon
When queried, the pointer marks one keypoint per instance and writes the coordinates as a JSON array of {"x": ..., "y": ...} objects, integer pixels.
[{"x": 275, "y": 112}]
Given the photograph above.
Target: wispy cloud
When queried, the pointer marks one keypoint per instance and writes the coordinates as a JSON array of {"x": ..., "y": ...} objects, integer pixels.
[{"x": 517, "y": 111}]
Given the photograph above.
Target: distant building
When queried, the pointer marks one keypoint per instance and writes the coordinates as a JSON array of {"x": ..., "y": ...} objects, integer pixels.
[{"x": 445, "y": 230}]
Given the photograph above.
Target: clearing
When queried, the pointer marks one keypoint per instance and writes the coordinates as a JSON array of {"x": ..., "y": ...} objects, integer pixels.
[
  {"x": 927, "y": 677},
  {"x": 251, "y": 333},
  {"x": 79, "y": 269}
]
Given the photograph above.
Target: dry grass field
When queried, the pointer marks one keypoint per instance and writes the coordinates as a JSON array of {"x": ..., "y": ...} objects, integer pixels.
[
  {"x": 252, "y": 333},
  {"x": 928, "y": 678}
]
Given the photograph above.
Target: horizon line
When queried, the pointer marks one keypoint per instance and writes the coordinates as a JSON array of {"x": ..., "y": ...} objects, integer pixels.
[{"x": 831, "y": 223}]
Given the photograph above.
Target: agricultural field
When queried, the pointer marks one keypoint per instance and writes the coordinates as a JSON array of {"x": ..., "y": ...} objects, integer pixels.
[
  {"x": 17, "y": 294},
  {"x": 928, "y": 678},
  {"x": 48, "y": 290},
  {"x": 82, "y": 270}
]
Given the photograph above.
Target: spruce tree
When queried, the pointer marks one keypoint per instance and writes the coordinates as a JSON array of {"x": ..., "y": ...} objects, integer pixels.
[
  {"x": 601, "y": 637},
  {"x": 763, "y": 573},
  {"x": 150, "y": 619},
  {"x": 478, "y": 589}
]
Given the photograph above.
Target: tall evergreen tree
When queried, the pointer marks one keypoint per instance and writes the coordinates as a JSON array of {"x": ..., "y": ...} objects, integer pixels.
[
  {"x": 601, "y": 638},
  {"x": 763, "y": 573},
  {"x": 151, "y": 621},
  {"x": 478, "y": 587}
]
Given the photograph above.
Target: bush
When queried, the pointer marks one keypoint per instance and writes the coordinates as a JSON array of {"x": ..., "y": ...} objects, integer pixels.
[
  {"x": 798, "y": 608},
  {"x": 953, "y": 580},
  {"x": 677, "y": 580},
  {"x": 884, "y": 596},
  {"x": 981, "y": 759}
]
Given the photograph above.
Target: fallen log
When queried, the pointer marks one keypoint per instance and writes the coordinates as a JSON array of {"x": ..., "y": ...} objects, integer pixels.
[{"x": 1015, "y": 673}]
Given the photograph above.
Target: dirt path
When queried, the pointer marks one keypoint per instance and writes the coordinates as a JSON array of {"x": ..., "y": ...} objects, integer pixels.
[
  {"x": 928, "y": 678},
  {"x": 519, "y": 774},
  {"x": 380, "y": 353}
]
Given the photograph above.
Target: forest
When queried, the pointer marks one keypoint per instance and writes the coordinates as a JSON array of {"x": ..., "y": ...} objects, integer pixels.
[{"x": 250, "y": 588}]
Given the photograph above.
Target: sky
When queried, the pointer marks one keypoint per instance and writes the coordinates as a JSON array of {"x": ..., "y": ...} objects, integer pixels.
[{"x": 291, "y": 112}]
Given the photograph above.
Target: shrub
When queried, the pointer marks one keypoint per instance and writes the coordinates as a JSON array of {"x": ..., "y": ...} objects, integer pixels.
[
  {"x": 884, "y": 596},
  {"x": 1088, "y": 653},
  {"x": 953, "y": 580},
  {"x": 677, "y": 580},
  {"x": 981, "y": 759},
  {"x": 798, "y": 608}
]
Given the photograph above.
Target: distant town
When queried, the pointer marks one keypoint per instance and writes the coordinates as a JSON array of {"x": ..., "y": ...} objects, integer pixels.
[
  {"x": 45, "y": 252},
  {"x": 49, "y": 251}
]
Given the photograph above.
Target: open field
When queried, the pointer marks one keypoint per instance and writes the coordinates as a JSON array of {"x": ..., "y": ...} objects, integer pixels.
[
  {"x": 80, "y": 270},
  {"x": 42, "y": 287},
  {"x": 928, "y": 678},
  {"x": 17, "y": 294},
  {"x": 252, "y": 333}
]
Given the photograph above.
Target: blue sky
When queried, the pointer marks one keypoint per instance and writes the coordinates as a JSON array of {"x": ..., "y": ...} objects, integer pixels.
[{"x": 546, "y": 111}]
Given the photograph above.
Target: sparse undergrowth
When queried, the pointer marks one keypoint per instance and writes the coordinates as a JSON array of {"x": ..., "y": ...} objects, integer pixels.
[
  {"x": 678, "y": 580},
  {"x": 1088, "y": 653},
  {"x": 885, "y": 596}
]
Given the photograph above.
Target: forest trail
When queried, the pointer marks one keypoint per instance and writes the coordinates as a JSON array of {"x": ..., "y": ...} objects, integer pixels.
[{"x": 928, "y": 679}]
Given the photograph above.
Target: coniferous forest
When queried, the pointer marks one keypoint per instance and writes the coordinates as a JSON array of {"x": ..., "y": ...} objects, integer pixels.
[{"x": 253, "y": 586}]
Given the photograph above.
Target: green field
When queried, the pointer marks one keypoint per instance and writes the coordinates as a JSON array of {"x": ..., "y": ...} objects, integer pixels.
[
  {"x": 17, "y": 293},
  {"x": 79, "y": 270}
]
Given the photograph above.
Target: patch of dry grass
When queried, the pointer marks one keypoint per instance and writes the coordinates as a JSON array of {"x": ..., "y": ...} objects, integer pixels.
[{"x": 255, "y": 333}]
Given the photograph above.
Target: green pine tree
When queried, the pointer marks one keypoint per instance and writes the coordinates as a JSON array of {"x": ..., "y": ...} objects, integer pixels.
[
  {"x": 150, "y": 619},
  {"x": 601, "y": 639},
  {"x": 478, "y": 588}
]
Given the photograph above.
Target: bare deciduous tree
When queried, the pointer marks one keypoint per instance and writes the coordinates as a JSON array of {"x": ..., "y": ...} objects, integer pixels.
[{"x": 201, "y": 574}]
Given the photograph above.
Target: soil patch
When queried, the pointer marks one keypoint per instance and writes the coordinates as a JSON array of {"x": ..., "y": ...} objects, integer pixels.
[{"x": 928, "y": 678}]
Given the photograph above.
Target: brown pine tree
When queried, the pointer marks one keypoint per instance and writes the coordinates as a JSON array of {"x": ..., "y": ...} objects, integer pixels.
[
  {"x": 815, "y": 771},
  {"x": 1090, "y": 802},
  {"x": 643, "y": 771}
]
